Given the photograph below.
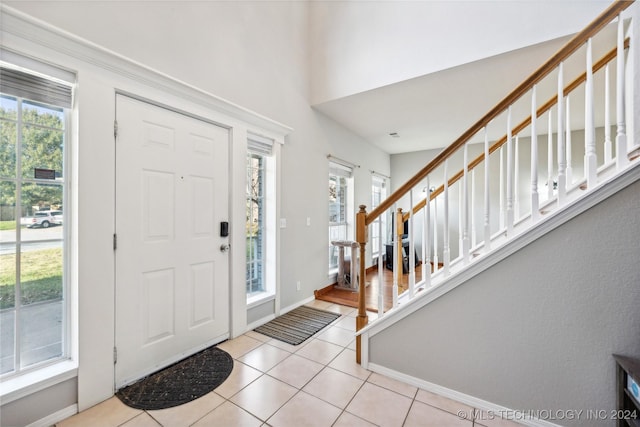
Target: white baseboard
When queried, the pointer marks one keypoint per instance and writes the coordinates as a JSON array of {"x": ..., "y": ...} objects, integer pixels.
[
  {"x": 491, "y": 409},
  {"x": 260, "y": 322},
  {"x": 270, "y": 317},
  {"x": 56, "y": 417},
  {"x": 296, "y": 305}
]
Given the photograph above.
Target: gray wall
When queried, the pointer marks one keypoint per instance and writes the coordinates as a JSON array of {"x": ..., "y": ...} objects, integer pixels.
[
  {"x": 40, "y": 404},
  {"x": 537, "y": 330}
]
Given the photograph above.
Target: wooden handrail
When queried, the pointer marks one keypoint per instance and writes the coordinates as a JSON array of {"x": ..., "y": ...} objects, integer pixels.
[
  {"x": 610, "y": 56},
  {"x": 364, "y": 219},
  {"x": 567, "y": 50}
]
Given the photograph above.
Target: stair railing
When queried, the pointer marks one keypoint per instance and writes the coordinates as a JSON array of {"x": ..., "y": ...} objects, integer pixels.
[{"x": 561, "y": 188}]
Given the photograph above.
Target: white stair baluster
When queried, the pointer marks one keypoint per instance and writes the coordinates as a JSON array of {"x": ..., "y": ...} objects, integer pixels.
[
  {"x": 397, "y": 263},
  {"x": 569, "y": 170},
  {"x": 549, "y": 158},
  {"x": 436, "y": 261},
  {"x": 621, "y": 138},
  {"x": 501, "y": 189},
  {"x": 562, "y": 161},
  {"x": 535, "y": 202},
  {"x": 472, "y": 208},
  {"x": 465, "y": 207},
  {"x": 380, "y": 269},
  {"x": 608, "y": 155},
  {"x": 509, "y": 216},
  {"x": 412, "y": 254},
  {"x": 590, "y": 158},
  {"x": 487, "y": 198},
  {"x": 460, "y": 217},
  {"x": 426, "y": 242},
  {"x": 516, "y": 178},
  {"x": 446, "y": 251}
]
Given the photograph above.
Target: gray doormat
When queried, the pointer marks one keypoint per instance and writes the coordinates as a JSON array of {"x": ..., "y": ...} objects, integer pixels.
[
  {"x": 297, "y": 325},
  {"x": 181, "y": 382}
]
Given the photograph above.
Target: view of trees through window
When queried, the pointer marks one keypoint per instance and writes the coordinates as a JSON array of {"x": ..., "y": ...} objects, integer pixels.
[
  {"x": 255, "y": 223},
  {"x": 31, "y": 232}
]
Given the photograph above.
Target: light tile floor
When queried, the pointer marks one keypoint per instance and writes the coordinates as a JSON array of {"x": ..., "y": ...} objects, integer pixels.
[{"x": 315, "y": 384}]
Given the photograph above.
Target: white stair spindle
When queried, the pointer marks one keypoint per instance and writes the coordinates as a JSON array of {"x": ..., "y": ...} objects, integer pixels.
[
  {"x": 516, "y": 179},
  {"x": 509, "y": 216},
  {"x": 380, "y": 270},
  {"x": 472, "y": 208},
  {"x": 502, "y": 209},
  {"x": 412, "y": 253},
  {"x": 397, "y": 263},
  {"x": 446, "y": 251},
  {"x": 621, "y": 138},
  {"x": 487, "y": 198},
  {"x": 562, "y": 161},
  {"x": 608, "y": 152},
  {"x": 590, "y": 158},
  {"x": 549, "y": 158},
  {"x": 426, "y": 242},
  {"x": 567, "y": 139},
  {"x": 460, "y": 217},
  {"x": 436, "y": 261},
  {"x": 465, "y": 207},
  {"x": 425, "y": 218},
  {"x": 535, "y": 202}
]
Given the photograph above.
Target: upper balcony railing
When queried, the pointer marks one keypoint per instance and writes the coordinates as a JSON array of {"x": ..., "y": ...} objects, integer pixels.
[{"x": 508, "y": 197}]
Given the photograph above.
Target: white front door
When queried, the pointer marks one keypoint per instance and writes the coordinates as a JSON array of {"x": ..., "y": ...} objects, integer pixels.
[{"x": 172, "y": 269}]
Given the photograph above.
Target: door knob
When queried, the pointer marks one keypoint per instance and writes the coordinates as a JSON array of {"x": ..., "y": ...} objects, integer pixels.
[{"x": 224, "y": 247}]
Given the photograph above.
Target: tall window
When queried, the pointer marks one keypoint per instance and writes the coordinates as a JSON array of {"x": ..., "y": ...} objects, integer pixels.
[
  {"x": 260, "y": 219},
  {"x": 340, "y": 208},
  {"x": 33, "y": 193},
  {"x": 378, "y": 193},
  {"x": 255, "y": 223}
]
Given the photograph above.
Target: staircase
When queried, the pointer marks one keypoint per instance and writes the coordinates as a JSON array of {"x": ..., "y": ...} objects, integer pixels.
[{"x": 531, "y": 221}]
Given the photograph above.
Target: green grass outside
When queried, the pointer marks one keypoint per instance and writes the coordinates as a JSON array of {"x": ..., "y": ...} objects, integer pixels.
[
  {"x": 41, "y": 277},
  {"x": 7, "y": 225}
]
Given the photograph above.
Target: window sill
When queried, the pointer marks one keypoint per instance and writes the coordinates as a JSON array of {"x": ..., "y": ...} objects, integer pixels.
[
  {"x": 32, "y": 382},
  {"x": 261, "y": 298}
]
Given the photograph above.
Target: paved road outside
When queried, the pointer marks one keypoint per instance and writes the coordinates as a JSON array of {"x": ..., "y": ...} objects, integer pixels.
[{"x": 32, "y": 238}]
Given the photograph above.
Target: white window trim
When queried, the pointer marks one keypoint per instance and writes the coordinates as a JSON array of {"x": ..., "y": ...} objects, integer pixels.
[
  {"x": 270, "y": 232},
  {"x": 39, "y": 379},
  {"x": 350, "y": 208},
  {"x": 48, "y": 373}
]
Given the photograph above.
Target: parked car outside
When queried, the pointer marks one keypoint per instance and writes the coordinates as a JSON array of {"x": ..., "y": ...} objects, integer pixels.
[{"x": 43, "y": 219}]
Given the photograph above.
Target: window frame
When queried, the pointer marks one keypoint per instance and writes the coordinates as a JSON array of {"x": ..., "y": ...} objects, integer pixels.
[
  {"x": 264, "y": 148},
  {"x": 375, "y": 245},
  {"x": 58, "y": 365},
  {"x": 337, "y": 171}
]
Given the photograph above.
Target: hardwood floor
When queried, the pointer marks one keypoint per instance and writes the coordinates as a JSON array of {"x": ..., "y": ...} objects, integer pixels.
[{"x": 349, "y": 298}]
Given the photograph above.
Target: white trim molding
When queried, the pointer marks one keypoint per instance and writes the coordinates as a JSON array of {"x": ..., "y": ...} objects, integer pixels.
[{"x": 490, "y": 409}]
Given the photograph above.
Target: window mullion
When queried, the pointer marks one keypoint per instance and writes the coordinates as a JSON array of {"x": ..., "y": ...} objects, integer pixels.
[{"x": 17, "y": 323}]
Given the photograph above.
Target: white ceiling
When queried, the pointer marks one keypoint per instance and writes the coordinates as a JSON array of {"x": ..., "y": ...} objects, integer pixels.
[{"x": 431, "y": 111}]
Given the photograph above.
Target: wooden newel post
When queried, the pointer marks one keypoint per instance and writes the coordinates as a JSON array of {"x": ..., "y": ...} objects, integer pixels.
[{"x": 361, "y": 238}]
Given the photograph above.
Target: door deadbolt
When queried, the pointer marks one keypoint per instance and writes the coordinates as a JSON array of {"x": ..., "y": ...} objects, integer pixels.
[{"x": 224, "y": 247}]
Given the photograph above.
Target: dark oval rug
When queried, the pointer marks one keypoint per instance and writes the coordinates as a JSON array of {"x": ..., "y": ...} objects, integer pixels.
[{"x": 181, "y": 382}]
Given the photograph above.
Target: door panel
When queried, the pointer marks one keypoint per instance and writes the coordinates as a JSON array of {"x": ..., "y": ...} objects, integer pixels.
[{"x": 172, "y": 280}]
